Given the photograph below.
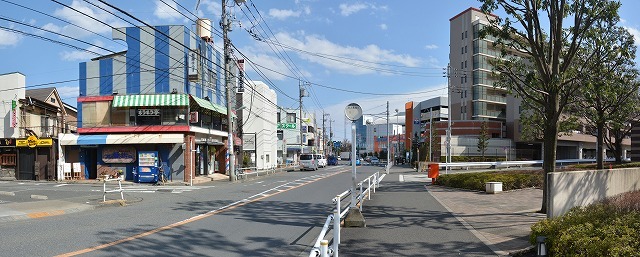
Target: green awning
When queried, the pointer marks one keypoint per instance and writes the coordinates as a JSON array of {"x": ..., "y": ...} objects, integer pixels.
[
  {"x": 209, "y": 105},
  {"x": 150, "y": 100}
]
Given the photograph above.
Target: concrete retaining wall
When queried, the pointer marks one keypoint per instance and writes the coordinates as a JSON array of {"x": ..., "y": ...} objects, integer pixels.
[{"x": 580, "y": 188}]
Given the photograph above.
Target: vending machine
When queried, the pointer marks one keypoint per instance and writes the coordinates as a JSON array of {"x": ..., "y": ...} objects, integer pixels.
[{"x": 148, "y": 166}]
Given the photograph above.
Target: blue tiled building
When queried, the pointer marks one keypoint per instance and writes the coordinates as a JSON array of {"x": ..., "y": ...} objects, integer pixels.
[{"x": 164, "y": 93}]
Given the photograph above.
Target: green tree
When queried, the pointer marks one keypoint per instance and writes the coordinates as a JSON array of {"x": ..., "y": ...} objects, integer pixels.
[
  {"x": 539, "y": 66},
  {"x": 483, "y": 139},
  {"x": 609, "y": 92}
]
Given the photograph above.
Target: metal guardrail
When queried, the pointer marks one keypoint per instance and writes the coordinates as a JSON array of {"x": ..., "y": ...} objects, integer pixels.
[
  {"x": 321, "y": 246},
  {"x": 244, "y": 173},
  {"x": 497, "y": 164}
]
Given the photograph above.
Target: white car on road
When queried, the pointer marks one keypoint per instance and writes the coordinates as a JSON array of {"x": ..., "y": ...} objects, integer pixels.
[{"x": 322, "y": 161}]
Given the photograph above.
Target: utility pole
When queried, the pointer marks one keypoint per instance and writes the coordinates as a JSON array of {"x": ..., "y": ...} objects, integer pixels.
[
  {"x": 324, "y": 134},
  {"x": 331, "y": 136},
  {"x": 300, "y": 101},
  {"x": 388, "y": 140},
  {"x": 230, "y": 158}
]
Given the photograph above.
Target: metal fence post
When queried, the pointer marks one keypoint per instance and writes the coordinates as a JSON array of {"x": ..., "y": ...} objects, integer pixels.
[
  {"x": 368, "y": 188},
  {"x": 324, "y": 248},
  {"x": 360, "y": 196},
  {"x": 336, "y": 227}
]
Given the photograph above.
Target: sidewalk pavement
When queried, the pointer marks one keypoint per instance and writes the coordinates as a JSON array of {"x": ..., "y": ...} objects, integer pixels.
[
  {"x": 404, "y": 219},
  {"x": 39, "y": 209}
]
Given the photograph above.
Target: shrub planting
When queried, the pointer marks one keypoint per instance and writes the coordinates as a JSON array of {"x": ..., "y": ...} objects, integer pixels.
[
  {"x": 476, "y": 181},
  {"x": 607, "y": 228}
]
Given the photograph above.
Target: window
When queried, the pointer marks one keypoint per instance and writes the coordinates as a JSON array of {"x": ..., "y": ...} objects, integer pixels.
[
  {"x": 120, "y": 117},
  {"x": 465, "y": 64},
  {"x": 461, "y": 65},
  {"x": 462, "y": 35},
  {"x": 465, "y": 34},
  {"x": 291, "y": 118},
  {"x": 465, "y": 49},
  {"x": 53, "y": 100},
  {"x": 96, "y": 114}
]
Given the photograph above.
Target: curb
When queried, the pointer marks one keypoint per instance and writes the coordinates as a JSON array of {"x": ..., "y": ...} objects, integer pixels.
[{"x": 43, "y": 214}]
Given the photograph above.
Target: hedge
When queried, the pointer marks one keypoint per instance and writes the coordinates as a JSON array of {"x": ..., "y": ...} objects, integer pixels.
[
  {"x": 608, "y": 228},
  {"x": 476, "y": 181}
]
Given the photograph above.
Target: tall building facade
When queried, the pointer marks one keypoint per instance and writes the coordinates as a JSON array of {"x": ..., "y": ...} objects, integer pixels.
[
  {"x": 472, "y": 91},
  {"x": 474, "y": 95},
  {"x": 163, "y": 96}
]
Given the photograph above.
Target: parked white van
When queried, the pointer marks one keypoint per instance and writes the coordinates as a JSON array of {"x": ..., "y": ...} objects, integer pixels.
[{"x": 308, "y": 161}]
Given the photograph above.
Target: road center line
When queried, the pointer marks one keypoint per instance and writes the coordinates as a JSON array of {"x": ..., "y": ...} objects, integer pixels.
[{"x": 189, "y": 220}]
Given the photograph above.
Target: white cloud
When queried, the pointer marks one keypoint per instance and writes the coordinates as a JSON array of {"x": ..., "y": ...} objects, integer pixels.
[
  {"x": 347, "y": 9},
  {"x": 383, "y": 26},
  {"x": 68, "y": 94},
  {"x": 78, "y": 55},
  {"x": 636, "y": 34},
  {"x": 307, "y": 10},
  {"x": 212, "y": 6},
  {"x": 283, "y": 14},
  {"x": 85, "y": 21},
  {"x": 370, "y": 54},
  {"x": 167, "y": 12},
  {"x": 431, "y": 46},
  {"x": 9, "y": 38},
  {"x": 52, "y": 27},
  {"x": 271, "y": 66}
]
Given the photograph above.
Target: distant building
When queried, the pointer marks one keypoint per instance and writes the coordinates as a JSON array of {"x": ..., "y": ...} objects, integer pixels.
[{"x": 296, "y": 134}]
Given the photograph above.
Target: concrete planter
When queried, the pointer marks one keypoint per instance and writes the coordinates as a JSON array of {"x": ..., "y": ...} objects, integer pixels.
[{"x": 493, "y": 187}]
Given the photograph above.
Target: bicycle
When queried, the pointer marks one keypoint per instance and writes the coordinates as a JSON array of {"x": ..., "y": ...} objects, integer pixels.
[{"x": 162, "y": 177}]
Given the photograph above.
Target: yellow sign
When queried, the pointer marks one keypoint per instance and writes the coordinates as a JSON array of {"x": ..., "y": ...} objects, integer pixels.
[{"x": 33, "y": 141}]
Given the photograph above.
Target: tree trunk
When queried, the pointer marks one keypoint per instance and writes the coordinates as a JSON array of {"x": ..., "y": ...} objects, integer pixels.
[
  {"x": 549, "y": 158},
  {"x": 600, "y": 145},
  {"x": 618, "y": 150}
]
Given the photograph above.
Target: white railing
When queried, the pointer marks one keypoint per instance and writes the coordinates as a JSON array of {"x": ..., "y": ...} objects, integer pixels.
[
  {"x": 244, "y": 173},
  {"x": 321, "y": 246},
  {"x": 117, "y": 190}
]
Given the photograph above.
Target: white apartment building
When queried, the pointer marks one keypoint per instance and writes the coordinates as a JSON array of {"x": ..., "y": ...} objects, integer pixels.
[{"x": 259, "y": 125}]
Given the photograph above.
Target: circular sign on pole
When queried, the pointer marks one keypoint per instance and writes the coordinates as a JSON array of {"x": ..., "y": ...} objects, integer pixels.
[{"x": 353, "y": 111}]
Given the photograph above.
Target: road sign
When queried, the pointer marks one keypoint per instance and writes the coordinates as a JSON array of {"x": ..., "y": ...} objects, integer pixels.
[
  {"x": 287, "y": 125},
  {"x": 353, "y": 111}
]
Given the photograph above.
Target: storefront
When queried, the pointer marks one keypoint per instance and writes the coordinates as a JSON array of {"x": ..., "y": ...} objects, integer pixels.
[
  {"x": 36, "y": 159},
  {"x": 120, "y": 154},
  {"x": 8, "y": 158}
]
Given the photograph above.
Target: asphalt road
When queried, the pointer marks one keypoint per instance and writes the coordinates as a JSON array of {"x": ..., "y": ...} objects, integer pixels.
[{"x": 278, "y": 215}]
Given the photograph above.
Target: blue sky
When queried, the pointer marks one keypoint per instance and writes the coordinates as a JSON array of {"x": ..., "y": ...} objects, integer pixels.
[{"x": 377, "y": 51}]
